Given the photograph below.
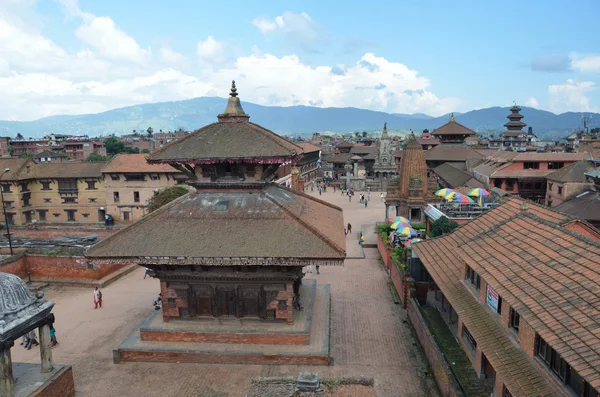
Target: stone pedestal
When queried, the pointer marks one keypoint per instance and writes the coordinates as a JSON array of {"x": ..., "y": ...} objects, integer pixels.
[
  {"x": 6, "y": 376},
  {"x": 45, "y": 348}
]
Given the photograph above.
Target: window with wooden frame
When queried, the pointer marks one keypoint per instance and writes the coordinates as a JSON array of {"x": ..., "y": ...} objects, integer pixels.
[{"x": 514, "y": 320}]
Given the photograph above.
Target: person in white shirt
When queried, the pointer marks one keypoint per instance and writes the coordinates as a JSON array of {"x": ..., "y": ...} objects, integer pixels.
[{"x": 97, "y": 298}]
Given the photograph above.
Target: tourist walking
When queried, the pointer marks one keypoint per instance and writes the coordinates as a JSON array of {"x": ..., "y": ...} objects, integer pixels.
[
  {"x": 309, "y": 269},
  {"x": 147, "y": 272},
  {"x": 97, "y": 298},
  {"x": 349, "y": 228},
  {"x": 381, "y": 196},
  {"x": 318, "y": 267},
  {"x": 366, "y": 202}
]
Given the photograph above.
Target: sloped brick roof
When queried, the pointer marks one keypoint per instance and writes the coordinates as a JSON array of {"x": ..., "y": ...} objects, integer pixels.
[
  {"x": 573, "y": 173},
  {"x": 452, "y": 175},
  {"x": 551, "y": 277},
  {"x": 360, "y": 149},
  {"x": 17, "y": 168},
  {"x": 268, "y": 222},
  {"x": 451, "y": 153},
  {"x": 453, "y": 128},
  {"x": 308, "y": 147},
  {"x": 134, "y": 163},
  {"x": 67, "y": 170},
  {"x": 585, "y": 206},
  {"x": 227, "y": 141},
  {"x": 443, "y": 262}
]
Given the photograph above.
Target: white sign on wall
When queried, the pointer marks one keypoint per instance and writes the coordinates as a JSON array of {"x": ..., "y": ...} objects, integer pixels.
[{"x": 492, "y": 298}]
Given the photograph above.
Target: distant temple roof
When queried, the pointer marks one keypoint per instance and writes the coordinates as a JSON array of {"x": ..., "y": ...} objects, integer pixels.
[{"x": 453, "y": 128}]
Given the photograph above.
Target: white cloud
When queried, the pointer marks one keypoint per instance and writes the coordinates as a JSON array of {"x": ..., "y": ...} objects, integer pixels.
[
  {"x": 210, "y": 50},
  {"x": 532, "y": 102},
  {"x": 265, "y": 25},
  {"x": 571, "y": 96},
  {"x": 170, "y": 56},
  {"x": 110, "y": 41},
  {"x": 99, "y": 78},
  {"x": 298, "y": 30},
  {"x": 587, "y": 63}
]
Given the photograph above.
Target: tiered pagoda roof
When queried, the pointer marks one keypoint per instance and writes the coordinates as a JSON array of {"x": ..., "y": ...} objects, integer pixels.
[{"x": 515, "y": 125}]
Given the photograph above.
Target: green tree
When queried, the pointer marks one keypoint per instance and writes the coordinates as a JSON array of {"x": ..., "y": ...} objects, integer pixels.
[
  {"x": 150, "y": 131},
  {"x": 165, "y": 196},
  {"x": 19, "y": 137},
  {"x": 145, "y": 151},
  {"x": 26, "y": 156},
  {"x": 11, "y": 149},
  {"x": 114, "y": 146},
  {"x": 132, "y": 150},
  {"x": 96, "y": 158},
  {"x": 364, "y": 134},
  {"x": 443, "y": 226}
]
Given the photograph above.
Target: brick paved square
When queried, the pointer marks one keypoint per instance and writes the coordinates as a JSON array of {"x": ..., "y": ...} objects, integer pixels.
[{"x": 370, "y": 335}]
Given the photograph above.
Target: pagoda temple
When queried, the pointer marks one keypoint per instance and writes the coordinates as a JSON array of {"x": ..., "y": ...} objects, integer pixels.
[
  {"x": 411, "y": 192},
  {"x": 452, "y": 132},
  {"x": 235, "y": 246},
  {"x": 514, "y": 136}
]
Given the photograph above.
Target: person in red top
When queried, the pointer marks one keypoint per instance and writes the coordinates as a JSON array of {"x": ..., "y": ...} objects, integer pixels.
[{"x": 97, "y": 298}]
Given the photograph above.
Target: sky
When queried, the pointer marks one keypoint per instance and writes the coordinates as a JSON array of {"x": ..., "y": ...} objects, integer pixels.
[{"x": 404, "y": 56}]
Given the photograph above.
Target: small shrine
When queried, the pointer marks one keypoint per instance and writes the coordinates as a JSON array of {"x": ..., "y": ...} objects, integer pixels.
[
  {"x": 233, "y": 249},
  {"x": 20, "y": 313},
  {"x": 411, "y": 192}
]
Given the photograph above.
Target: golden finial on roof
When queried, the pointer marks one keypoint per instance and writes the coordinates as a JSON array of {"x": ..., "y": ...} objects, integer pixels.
[
  {"x": 451, "y": 116},
  {"x": 233, "y": 92}
]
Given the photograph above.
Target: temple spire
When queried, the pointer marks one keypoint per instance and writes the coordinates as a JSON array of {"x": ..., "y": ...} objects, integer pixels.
[
  {"x": 452, "y": 117},
  {"x": 233, "y": 112}
]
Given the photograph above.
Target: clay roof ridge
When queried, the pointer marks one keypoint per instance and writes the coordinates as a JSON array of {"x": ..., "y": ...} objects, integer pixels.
[
  {"x": 139, "y": 223},
  {"x": 307, "y": 225},
  {"x": 277, "y": 139},
  {"x": 177, "y": 141}
]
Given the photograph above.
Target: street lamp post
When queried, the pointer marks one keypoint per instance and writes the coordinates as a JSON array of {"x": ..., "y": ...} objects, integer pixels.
[{"x": 4, "y": 209}]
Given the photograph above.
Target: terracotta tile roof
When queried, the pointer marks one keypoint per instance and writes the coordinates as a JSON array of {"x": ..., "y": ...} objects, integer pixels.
[
  {"x": 585, "y": 206},
  {"x": 226, "y": 140},
  {"x": 428, "y": 141},
  {"x": 520, "y": 174},
  {"x": 573, "y": 173},
  {"x": 272, "y": 222},
  {"x": 134, "y": 163},
  {"x": 453, "y": 128},
  {"x": 67, "y": 170},
  {"x": 451, "y": 153},
  {"x": 359, "y": 149},
  {"x": 440, "y": 257},
  {"x": 50, "y": 153},
  {"x": 551, "y": 156},
  {"x": 344, "y": 144},
  {"x": 308, "y": 147},
  {"x": 550, "y": 276},
  {"x": 452, "y": 175},
  {"x": 340, "y": 158},
  {"x": 17, "y": 167}
]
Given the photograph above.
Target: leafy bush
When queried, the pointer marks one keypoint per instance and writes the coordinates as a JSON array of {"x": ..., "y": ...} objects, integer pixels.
[
  {"x": 165, "y": 196},
  {"x": 443, "y": 226}
]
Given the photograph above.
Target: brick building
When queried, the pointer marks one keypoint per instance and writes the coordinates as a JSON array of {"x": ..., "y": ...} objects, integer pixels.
[
  {"x": 129, "y": 182},
  {"x": 80, "y": 148},
  {"x": 523, "y": 173},
  {"x": 309, "y": 163},
  {"x": 29, "y": 146},
  {"x": 568, "y": 182},
  {"x": 52, "y": 193},
  {"x": 518, "y": 288}
]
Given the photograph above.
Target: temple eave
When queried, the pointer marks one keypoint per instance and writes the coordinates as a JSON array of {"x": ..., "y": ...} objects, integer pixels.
[
  {"x": 252, "y": 160},
  {"x": 208, "y": 261}
]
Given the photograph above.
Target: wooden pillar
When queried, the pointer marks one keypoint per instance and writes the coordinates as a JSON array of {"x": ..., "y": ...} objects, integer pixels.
[
  {"x": 387, "y": 212},
  {"x": 45, "y": 348},
  {"x": 7, "y": 387}
]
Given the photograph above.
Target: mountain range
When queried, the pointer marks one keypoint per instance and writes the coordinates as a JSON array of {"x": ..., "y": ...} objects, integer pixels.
[{"x": 293, "y": 120}]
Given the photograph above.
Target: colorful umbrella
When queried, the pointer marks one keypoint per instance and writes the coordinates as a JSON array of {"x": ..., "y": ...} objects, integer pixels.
[
  {"x": 459, "y": 198},
  {"x": 410, "y": 242},
  {"x": 399, "y": 219},
  {"x": 444, "y": 192},
  {"x": 399, "y": 225},
  {"x": 478, "y": 192},
  {"x": 407, "y": 232}
]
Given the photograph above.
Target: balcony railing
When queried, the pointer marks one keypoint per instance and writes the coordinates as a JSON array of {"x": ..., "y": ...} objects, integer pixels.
[{"x": 68, "y": 191}]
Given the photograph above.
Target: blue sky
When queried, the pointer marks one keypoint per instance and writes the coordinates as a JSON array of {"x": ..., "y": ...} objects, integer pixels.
[{"x": 68, "y": 57}]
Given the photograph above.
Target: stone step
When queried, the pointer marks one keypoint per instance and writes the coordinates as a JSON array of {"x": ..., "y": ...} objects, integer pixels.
[{"x": 315, "y": 353}]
